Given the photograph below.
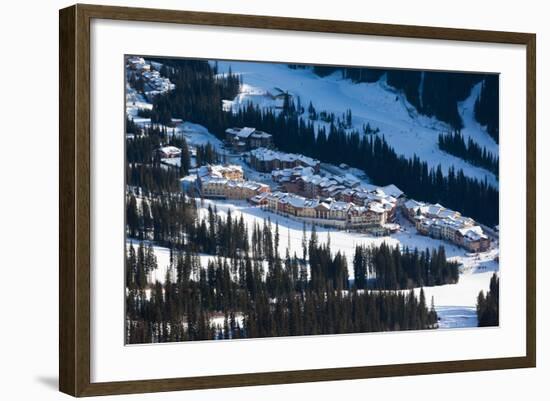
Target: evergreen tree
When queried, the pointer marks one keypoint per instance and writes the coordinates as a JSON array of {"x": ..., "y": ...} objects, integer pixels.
[
  {"x": 185, "y": 159},
  {"x": 487, "y": 305}
]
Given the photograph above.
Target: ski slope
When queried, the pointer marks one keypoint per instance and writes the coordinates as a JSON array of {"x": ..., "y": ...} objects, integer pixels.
[
  {"x": 375, "y": 103},
  {"x": 455, "y": 303},
  {"x": 472, "y": 128}
]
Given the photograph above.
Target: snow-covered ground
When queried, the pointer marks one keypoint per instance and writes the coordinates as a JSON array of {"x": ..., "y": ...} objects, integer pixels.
[
  {"x": 454, "y": 300},
  {"x": 252, "y": 94},
  {"x": 455, "y": 303},
  {"x": 472, "y": 128},
  {"x": 134, "y": 102},
  {"x": 454, "y": 317},
  {"x": 196, "y": 134},
  {"x": 374, "y": 103},
  {"x": 407, "y": 131}
]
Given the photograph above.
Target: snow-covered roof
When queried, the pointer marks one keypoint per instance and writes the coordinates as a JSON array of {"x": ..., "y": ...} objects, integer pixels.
[
  {"x": 412, "y": 204},
  {"x": 297, "y": 201},
  {"x": 358, "y": 209},
  {"x": 253, "y": 185},
  {"x": 135, "y": 60},
  {"x": 260, "y": 134},
  {"x": 376, "y": 207},
  {"x": 392, "y": 190},
  {"x": 340, "y": 206},
  {"x": 259, "y": 197},
  {"x": 473, "y": 233},
  {"x": 170, "y": 150},
  {"x": 223, "y": 170},
  {"x": 241, "y": 132},
  {"x": 269, "y": 155},
  {"x": 434, "y": 209},
  {"x": 348, "y": 191},
  {"x": 246, "y": 132},
  {"x": 447, "y": 213}
]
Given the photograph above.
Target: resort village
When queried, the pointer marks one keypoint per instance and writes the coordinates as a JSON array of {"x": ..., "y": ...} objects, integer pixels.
[
  {"x": 260, "y": 195},
  {"x": 341, "y": 201}
]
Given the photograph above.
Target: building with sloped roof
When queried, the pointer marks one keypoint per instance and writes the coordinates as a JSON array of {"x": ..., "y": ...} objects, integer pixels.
[
  {"x": 439, "y": 222},
  {"x": 266, "y": 160},
  {"x": 242, "y": 139}
]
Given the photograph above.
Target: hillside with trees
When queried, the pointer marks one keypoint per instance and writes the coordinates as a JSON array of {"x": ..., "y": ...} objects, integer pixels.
[
  {"x": 487, "y": 304},
  {"x": 258, "y": 293},
  {"x": 379, "y": 160},
  {"x": 487, "y": 105},
  {"x": 455, "y": 144},
  {"x": 391, "y": 268},
  {"x": 227, "y": 277},
  {"x": 432, "y": 93},
  {"x": 335, "y": 144}
]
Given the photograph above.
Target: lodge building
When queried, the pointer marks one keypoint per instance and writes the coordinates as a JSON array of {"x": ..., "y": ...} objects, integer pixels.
[
  {"x": 221, "y": 182},
  {"x": 247, "y": 138},
  {"x": 439, "y": 222},
  {"x": 266, "y": 160}
]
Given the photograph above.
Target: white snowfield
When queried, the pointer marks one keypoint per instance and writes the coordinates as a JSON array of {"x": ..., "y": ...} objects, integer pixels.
[
  {"x": 196, "y": 134},
  {"x": 455, "y": 303},
  {"x": 134, "y": 102},
  {"x": 375, "y": 103}
]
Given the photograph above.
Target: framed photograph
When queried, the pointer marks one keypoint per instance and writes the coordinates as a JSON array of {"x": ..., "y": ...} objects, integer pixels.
[{"x": 250, "y": 200}]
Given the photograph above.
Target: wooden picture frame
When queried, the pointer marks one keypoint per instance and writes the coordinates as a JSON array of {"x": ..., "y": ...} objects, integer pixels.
[{"x": 75, "y": 206}]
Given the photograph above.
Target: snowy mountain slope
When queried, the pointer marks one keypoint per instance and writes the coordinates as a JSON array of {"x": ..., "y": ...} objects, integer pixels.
[
  {"x": 472, "y": 128},
  {"x": 375, "y": 103},
  {"x": 197, "y": 135},
  {"x": 135, "y": 101},
  {"x": 251, "y": 94},
  {"x": 454, "y": 317},
  {"x": 455, "y": 302}
]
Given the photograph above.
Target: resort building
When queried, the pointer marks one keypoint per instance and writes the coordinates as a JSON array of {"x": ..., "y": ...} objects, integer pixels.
[
  {"x": 221, "y": 182},
  {"x": 242, "y": 139},
  {"x": 153, "y": 83},
  {"x": 137, "y": 63},
  {"x": 328, "y": 212},
  {"x": 222, "y": 188},
  {"x": 347, "y": 188},
  {"x": 168, "y": 152},
  {"x": 439, "y": 222},
  {"x": 230, "y": 171},
  {"x": 267, "y": 160}
]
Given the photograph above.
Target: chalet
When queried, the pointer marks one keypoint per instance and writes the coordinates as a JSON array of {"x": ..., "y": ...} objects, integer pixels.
[
  {"x": 260, "y": 199},
  {"x": 223, "y": 182},
  {"x": 473, "y": 239},
  {"x": 242, "y": 139},
  {"x": 267, "y": 160},
  {"x": 168, "y": 152},
  {"x": 222, "y": 188},
  {"x": 230, "y": 171}
]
